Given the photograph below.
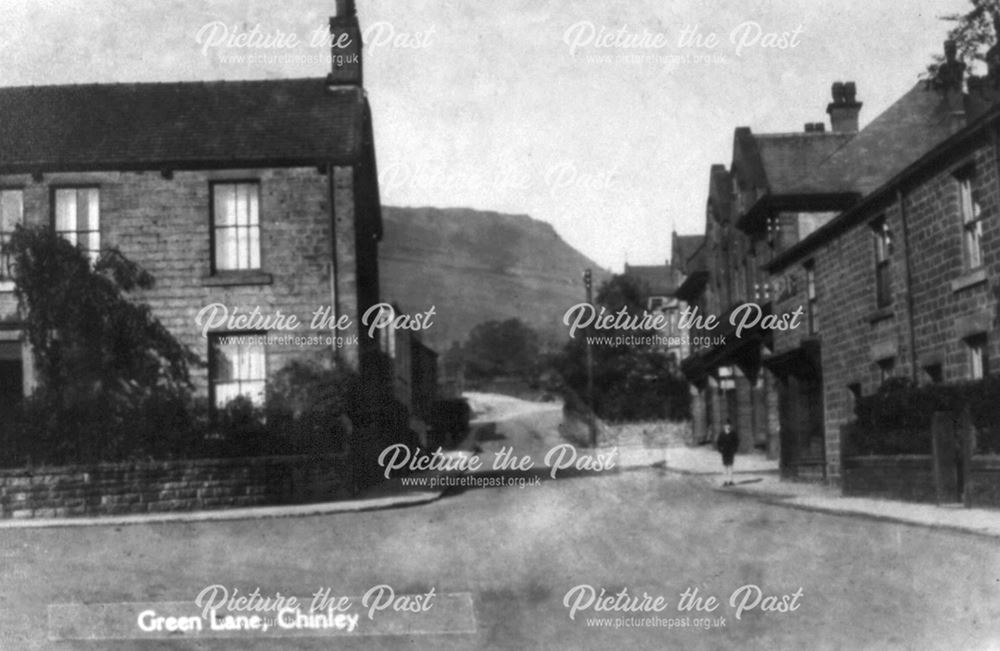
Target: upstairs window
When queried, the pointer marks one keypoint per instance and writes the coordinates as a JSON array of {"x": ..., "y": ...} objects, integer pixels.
[
  {"x": 236, "y": 226},
  {"x": 236, "y": 367},
  {"x": 11, "y": 214},
  {"x": 883, "y": 270},
  {"x": 972, "y": 220},
  {"x": 78, "y": 219}
]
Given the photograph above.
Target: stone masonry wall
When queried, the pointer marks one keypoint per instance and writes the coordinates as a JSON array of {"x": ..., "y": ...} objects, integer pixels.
[
  {"x": 911, "y": 478},
  {"x": 950, "y": 301},
  {"x": 164, "y": 225},
  {"x": 149, "y": 487},
  {"x": 854, "y": 332}
]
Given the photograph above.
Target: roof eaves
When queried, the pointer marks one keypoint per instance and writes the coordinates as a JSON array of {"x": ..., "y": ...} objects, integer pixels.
[{"x": 849, "y": 217}]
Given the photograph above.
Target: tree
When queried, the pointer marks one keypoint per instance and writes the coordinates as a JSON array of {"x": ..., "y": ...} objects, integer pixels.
[
  {"x": 507, "y": 348},
  {"x": 630, "y": 381},
  {"x": 113, "y": 383},
  {"x": 974, "y": 33},
  {"x": 87, "y": 337}
]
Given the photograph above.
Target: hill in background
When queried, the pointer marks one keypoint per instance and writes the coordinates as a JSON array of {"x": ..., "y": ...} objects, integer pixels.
[{"x": 477, "y": 266}]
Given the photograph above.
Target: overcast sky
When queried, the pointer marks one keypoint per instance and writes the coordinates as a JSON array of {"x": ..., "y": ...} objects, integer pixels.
[{"x": 589, "y": 115}]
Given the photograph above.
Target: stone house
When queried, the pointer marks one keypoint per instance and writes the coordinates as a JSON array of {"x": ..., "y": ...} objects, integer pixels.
[
  {"x": 659, "y": 284},
  {"x": 903, "y": 282},
  {"x": 244, "y": 195},
  {"x": 753, "y": 213}
]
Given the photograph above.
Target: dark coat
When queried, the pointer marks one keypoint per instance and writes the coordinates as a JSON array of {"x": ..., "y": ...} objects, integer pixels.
[{"x": 727, "y": 444}]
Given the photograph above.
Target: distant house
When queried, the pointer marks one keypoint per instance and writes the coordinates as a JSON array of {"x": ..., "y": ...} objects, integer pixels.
[
  {"x": 246, "y": 194},
  {"x": 658, "y": 284}
]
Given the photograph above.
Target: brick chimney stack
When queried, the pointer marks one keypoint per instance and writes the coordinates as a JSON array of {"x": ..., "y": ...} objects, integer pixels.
[
  {"x": 844, "y": 109},
  {"x": 950, "y": 80},
  {"x": 345, "y": 50}
]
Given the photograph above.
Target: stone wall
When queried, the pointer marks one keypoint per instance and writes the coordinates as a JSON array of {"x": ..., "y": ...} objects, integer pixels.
[
  {"x": 911, "y": 478},
  {"x": 163, "y": 222},
  {"x": 150, "y": 487},
  {"x": 903, "y": 477},
  {"x": 985, "y": 477},
  {"x": 950, "y": 302}
]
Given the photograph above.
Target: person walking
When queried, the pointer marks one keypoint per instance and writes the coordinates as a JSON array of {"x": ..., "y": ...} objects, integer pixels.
[{"x": 727, "y": 443}]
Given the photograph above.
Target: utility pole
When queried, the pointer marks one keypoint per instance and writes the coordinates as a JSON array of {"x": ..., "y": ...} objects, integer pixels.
[{"x": 588, "y": 284}]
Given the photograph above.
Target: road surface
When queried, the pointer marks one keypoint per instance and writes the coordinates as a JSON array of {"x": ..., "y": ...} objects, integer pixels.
[{"x": 516, "y": 552}]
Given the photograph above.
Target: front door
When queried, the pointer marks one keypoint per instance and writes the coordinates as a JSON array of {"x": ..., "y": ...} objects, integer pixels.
[
  {"x": 800, "y": 412},
  {"x": 11, "y": 394}
]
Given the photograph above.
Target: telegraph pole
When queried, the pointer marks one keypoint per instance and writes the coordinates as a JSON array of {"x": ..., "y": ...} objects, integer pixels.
[{"x": 588, "y": 284}]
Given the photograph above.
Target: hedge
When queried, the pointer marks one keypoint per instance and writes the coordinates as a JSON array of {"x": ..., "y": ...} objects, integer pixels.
[{"x": 897, "y": 418}]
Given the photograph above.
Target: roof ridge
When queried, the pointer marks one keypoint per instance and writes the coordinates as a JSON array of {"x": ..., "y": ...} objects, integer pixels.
[{"x": 192, "y": 82}]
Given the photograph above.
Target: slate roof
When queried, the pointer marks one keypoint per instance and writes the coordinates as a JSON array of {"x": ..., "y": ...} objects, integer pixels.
[
  {"x": 681, "y": 249},
  {"x": 658, "y": 280},
  {"x": 720, "y": 192},
  {"x": 926, "y": 135},
  {"x": 151, "y": 125},
  {"x": 775, "y": 161},
  {"x": 897, "y": 137}
]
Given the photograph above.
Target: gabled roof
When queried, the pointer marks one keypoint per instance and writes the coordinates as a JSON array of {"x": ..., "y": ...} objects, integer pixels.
[
  {"x": 773, "y": 162},
  {"x": 928, "y": 158},
  {"x": 153, "y": 125},
  {"x": 720, "y": 192},
  {"x": 786, "y": 156},
  {"x": 657, "y": 280},
  {"x": 898, "y": 136},
  {"x": 681, "y": 248}
]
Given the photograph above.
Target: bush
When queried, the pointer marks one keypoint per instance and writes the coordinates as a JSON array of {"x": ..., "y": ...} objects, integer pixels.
[
  {"x": 897, "y": 418},
  {"x": 312, "y": 406},
  {"x": 106, "y": 426},
  {"x": 501, "y": 349},
  {"x": 114, "y": 383},
  {"x": 630, "y": 382},
  {"x": 309, "y": 410}
]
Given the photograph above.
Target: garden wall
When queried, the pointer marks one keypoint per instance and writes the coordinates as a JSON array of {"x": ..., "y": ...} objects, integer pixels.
[
  {"x": 910, "y": 477},
  {"x": 156, "y": 486}
]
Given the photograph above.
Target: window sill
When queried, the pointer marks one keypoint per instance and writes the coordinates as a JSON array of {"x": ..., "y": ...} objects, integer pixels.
[
  {"x": 880, "y": 314},
  {"x": 6, "y": 285},
  {"x": 971, "y": 279},
  {"x": 228, "y": 278}
]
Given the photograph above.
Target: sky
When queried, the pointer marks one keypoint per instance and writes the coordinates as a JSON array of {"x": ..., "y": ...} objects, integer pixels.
[{"x": 599, "y": 117}]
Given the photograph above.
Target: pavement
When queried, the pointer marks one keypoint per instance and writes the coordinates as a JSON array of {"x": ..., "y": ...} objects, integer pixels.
[{"x": 756, "y": 477}]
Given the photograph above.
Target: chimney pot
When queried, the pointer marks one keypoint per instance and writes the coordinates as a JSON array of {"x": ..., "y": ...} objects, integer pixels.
[
  {"x": 837, "y": 91},
  {"x": 850, "y": 92},
  {"x": 845, "y": 108}
]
